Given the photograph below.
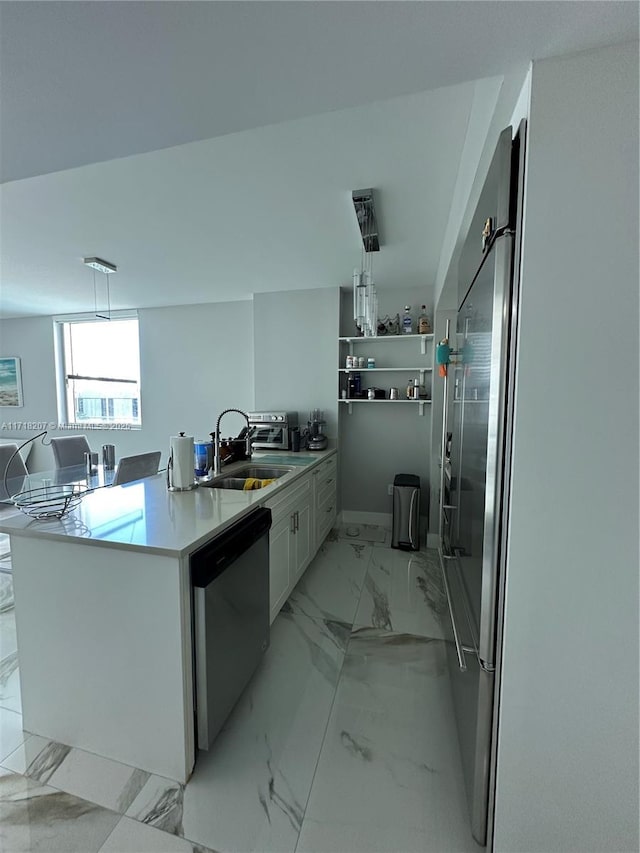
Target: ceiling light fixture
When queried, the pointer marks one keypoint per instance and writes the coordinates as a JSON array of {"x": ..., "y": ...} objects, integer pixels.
[
  {"x": 366, "y": 216},
  {"x": 365, "y": 299},
  {"x": 100, "y": 265},
  {"x": 107, "y": 269}
]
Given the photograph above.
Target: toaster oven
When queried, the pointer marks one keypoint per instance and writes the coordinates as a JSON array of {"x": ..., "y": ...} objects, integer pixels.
[{"x": 272, "y": 430}]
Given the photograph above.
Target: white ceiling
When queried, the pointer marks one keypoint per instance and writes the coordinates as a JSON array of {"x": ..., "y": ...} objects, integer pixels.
[
  {"x": 282, "y": 87},
  {"x": 268, "y": 209}
]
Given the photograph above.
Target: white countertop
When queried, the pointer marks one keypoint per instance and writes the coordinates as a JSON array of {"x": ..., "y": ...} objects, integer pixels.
[{"x": 145, "y": 516}]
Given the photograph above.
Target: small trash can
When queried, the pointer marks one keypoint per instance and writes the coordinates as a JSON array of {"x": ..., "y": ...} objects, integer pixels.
[{"x": 406, "y": 512}]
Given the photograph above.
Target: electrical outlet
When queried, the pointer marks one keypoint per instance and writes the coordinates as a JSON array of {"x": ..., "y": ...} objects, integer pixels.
[{"x": 390, "y": 489}]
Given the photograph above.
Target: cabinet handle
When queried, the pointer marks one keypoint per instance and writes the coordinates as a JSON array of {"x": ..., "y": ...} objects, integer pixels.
[
  {"x": 293, "y": 522},
  {"x": 330, "y": 481},
  {"x": 297, "y": 521},
  {"x": 330, "y": 509}
]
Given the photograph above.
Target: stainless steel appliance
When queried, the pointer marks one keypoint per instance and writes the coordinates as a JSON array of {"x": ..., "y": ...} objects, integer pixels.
[
  {"x": 406, "y": 512},
  {"x": 271, "y": 430},
  {"x": 230, "y": 580},
  {"x": 316, "y": 439},
  {"x": 476, "y": 463}
]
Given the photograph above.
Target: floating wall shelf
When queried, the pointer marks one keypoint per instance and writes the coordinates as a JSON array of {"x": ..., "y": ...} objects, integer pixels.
[
  {"x": 420, "y": 403},
  {"x": 350, "y": 339}
]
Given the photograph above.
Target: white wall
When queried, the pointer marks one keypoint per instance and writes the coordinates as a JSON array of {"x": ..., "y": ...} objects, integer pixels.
[
  {"x": 268, "y": 209},
  {"x": 195, "y": 361},
  {"x": 32, "y": 341},
  {"x": 568, "y": 739},
  {"x": 493, "y": 105},
  {"x": 379, "y": 441},
  {"x": 296, "y": 344}
]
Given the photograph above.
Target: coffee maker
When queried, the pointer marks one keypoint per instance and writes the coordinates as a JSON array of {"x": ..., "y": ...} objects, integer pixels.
[{"x": 316, "y": 439}]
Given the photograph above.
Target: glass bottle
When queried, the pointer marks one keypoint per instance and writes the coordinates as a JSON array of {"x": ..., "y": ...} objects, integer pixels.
[{"x": 424, "y": 324}]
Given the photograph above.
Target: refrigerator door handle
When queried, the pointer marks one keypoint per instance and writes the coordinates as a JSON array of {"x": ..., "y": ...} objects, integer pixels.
[
  {"x": 500, "y": 403},
  {"x": 456, "y": 637}
]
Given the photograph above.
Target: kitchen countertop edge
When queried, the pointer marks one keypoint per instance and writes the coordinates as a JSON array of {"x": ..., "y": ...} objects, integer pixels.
[{"x": 24, "y": 526}]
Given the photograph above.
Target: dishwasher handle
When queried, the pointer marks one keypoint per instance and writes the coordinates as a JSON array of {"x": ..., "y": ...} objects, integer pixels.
[{"x": 209, "y": 561}]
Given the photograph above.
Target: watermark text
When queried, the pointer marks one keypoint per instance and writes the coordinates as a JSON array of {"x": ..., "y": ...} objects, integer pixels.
[{"x": 54, "y": 425}]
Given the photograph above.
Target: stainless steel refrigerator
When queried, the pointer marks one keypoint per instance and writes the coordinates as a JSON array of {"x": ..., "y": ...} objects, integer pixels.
[{"x": 476, "y": 452}]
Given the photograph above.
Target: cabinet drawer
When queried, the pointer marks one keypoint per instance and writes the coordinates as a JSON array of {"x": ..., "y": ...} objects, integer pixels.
[
  {"x": 325, "y": 489},
  {"x": 327, "y": 468},
  {"x": 325, "y": 520},
  {"x": 325, "y": 497},
  {"x": 325, "y": 483},
  {"x": 284, "y": 503}
]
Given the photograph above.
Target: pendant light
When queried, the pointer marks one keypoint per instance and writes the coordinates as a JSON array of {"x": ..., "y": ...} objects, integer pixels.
[
  {"x": 107, "y": 269},
  {"x": 365, "y": 299}
]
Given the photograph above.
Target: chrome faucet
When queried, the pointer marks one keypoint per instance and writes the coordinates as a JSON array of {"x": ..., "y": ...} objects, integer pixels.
[{"x": 216, "y": 441}]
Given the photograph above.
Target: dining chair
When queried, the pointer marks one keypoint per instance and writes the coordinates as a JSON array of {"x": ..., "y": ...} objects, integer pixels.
[
  {"x": 69, "y": 450},
  {"x": 131, "y": 468},
  {"x": 15, "y": 470}
]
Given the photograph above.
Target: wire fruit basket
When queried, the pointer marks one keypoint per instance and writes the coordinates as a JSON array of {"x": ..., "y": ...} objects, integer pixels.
[{"x": 50, "y": 501}]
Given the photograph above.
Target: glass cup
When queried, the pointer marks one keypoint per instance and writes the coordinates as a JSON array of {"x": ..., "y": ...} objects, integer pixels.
[{"x": 90, "y": 464}]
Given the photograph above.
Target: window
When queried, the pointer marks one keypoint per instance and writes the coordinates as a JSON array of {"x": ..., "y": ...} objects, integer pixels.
[{"x": 99, "y": 371}]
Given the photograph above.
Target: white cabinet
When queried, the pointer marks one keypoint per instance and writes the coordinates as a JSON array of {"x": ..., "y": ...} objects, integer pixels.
[
  {"x": 301, "y": 517},
  {"x": 289, "y": 541},
  {"x": 398, "y": 362},
  {"x": 302, "y": 537},
  {"x": 279, "y": 559},
  {"x": 324, "y": 499}
]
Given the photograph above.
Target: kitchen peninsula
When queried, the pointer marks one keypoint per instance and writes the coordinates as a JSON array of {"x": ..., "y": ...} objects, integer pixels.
[{"x": 104, "y": 614}]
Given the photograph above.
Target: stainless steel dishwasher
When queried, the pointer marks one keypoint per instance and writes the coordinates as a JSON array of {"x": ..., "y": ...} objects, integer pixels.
[{"x": 230, "y": 581}]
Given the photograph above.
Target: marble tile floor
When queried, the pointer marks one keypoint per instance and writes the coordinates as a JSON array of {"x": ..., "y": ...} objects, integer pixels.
[{"x": 344, "y": 740}]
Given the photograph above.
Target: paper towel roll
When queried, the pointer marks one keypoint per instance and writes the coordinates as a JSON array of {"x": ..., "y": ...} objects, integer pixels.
[{"x": 181, "y": 474}]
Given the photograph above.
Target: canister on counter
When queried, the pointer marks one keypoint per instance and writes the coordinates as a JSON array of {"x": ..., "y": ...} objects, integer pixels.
[
  {"x": 108, "y": 457},
  {"x": 202, "y": 457}
]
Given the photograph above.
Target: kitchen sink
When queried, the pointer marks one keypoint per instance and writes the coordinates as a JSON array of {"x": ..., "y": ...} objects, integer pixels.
[
  {"x": 226, "y": 483},
  {"x": 260, "y": 472},
  {"x": 236, "y": 478}
]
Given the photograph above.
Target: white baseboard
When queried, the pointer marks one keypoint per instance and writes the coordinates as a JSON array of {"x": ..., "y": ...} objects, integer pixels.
[{"x": 383, "y": 519}]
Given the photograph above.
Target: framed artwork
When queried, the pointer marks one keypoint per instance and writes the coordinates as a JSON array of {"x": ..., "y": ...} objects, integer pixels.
[{"x": 10, "y": 382}]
